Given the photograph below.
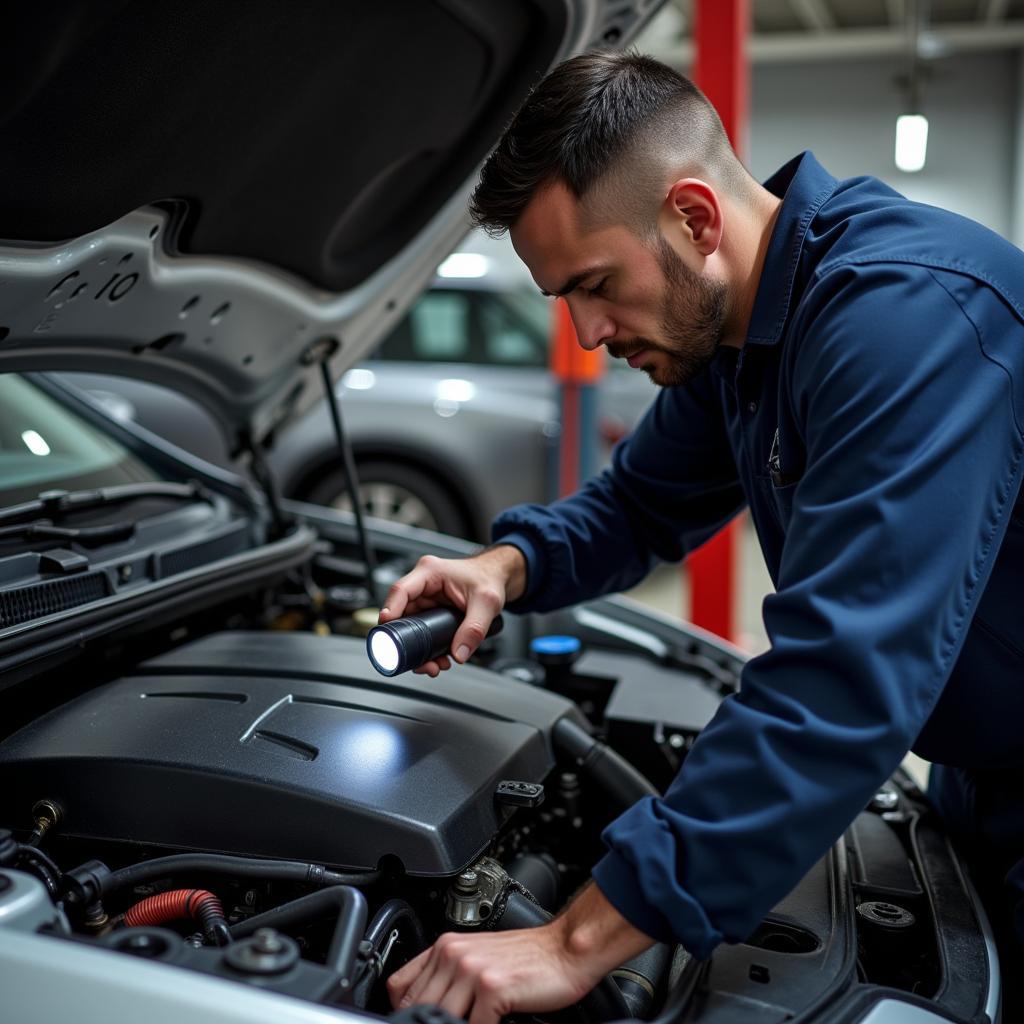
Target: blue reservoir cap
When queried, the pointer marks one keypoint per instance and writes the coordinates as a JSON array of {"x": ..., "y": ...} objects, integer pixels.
[{"x": 555, "y": 646}]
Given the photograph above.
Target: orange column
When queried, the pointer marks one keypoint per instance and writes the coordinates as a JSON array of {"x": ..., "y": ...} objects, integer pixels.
[
  {"x": 721, "y": 69},
  {"x": 578, "y": 372}
]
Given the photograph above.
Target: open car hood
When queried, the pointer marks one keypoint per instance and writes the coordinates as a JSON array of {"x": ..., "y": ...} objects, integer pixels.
[{"x": 219, "y": 196}]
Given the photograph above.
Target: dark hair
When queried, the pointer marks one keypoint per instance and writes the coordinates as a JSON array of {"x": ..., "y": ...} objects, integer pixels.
[{"x": 579, "y": 120}]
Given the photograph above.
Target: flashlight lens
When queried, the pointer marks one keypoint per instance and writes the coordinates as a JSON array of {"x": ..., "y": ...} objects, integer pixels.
[{"x": 384, "y": 651}]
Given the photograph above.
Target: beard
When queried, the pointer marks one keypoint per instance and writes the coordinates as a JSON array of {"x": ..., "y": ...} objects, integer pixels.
[{"x": 692, "y": 323}]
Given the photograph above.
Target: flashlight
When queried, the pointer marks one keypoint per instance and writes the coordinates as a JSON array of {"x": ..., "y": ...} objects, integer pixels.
[{"x": 406, "y": 643}]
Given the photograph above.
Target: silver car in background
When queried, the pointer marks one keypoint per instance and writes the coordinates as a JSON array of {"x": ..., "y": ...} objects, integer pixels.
[{"x": 454, "y": 417}]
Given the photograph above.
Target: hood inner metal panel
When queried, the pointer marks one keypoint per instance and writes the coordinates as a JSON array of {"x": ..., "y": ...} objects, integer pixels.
[
  {"x": 241, "y": 340},
  {"x": 222, "y": 255}
]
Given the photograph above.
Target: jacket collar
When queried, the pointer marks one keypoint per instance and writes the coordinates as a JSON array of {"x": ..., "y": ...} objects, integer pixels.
[{"x": 804, "y": 185}]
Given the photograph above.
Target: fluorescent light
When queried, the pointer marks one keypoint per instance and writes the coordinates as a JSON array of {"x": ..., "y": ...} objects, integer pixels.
[
  {"x": 464, "y": 264},
  {"x": 453, "y": 389},
  {"x": 35, "y": 443},
  {"x": 911, "y": 142},
  {"x": 359, "y": 379}
]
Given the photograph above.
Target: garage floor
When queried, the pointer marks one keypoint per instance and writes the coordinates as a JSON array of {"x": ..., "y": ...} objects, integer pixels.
[{"x": 667, "y": 590}]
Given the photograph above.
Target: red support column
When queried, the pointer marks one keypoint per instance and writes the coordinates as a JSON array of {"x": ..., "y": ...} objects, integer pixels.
[
  {"x": 720, "y": 65},
  {"x": 721, "y": 69},
  {"x": 578, "y": 372}
]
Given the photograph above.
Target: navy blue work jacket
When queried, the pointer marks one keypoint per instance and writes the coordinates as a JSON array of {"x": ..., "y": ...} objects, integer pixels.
[{"x": 872, "y": 422}]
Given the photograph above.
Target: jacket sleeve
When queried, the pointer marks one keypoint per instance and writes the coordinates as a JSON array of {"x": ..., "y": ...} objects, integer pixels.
[
  {"x": 913, "y": 464},
  {"x": 671, "y": 485}
]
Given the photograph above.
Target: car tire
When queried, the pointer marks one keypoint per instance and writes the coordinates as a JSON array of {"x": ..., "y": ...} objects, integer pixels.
[{"x": 397, "y": 492}]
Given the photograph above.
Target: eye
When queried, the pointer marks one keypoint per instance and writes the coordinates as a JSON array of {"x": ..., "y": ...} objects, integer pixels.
[{"x": 598, "y": 288}]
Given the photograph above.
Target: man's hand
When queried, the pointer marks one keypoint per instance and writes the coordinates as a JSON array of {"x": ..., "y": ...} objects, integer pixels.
[
  {"x": 486, "y": 976},
  {"x": 480, "y": 586}
]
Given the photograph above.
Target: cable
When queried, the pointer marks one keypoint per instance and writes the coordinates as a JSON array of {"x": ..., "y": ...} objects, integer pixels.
[{"x": 225, "y": 864}]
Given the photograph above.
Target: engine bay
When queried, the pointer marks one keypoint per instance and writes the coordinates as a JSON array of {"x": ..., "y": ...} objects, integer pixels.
[
  {"x": 243, "y": 797},
  {"x": 314, "y": 755}
]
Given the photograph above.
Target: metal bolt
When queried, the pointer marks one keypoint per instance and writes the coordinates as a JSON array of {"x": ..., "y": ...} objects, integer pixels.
[
  {"x": 46, "y": 814},
  {"x": 266, "y": 940},
  {"x": 885, "y": 800},
  {"x": 467, "y": 882},
  {"x": 676, "y": 741}
]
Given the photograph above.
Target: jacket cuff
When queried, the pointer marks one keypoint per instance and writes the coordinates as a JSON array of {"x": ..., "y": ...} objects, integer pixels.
[
  {"x": 635, "y": 881},
  {"x": 614, "y": 877},
  {"x": 534, "y": 556}
]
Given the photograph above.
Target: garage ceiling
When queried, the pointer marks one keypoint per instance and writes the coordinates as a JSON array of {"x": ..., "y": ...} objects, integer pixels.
[{"x": 787, "y": 31}]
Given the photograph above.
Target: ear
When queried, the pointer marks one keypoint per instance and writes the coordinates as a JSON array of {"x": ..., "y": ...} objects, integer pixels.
[{"x": 692, "y": 211}]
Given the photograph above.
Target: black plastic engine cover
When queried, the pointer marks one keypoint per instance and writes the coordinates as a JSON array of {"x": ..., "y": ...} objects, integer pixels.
[{"x": 287, "y": 745}]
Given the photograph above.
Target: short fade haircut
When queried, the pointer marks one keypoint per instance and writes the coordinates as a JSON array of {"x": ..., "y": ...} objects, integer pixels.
[{"x": 595, "y": 114}]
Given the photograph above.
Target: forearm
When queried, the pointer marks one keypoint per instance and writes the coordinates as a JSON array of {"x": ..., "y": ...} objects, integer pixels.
[
  {"x": 595, "y": 934},
  {"x": 508, "y": 563}
]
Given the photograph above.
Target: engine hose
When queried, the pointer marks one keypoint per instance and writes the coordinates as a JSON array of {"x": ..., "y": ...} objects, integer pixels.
[
  {"x": 199, "y": 904},
  {"x": 44, "y": 866},
  {"x": 538, "y": 872},
  {"x": 350, "y": 905},
  {"x": 225, "y": 864},
  {"x": 642, "y": 980},
  {"x": 388, "y": 917},
  {"x": 604, "y": 1002},
  {"x": 617, "y": 778}
]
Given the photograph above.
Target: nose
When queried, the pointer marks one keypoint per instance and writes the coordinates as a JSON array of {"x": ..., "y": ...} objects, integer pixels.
[{"x": 593, "y": 327}]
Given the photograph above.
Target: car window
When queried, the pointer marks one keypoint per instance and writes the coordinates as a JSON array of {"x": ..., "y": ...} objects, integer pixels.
[
  {"x": 441, "y": 327},
  {"x": 512, "y": 332},
  {"x": 45, "y": 446},
  {"x": 449, "y": 325},
  {"x": 436, "y": 329}
]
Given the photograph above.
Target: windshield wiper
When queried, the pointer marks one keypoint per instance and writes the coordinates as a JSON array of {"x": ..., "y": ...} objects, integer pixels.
[
  {"x": 57, "y": 504},
  {"x": 87, "y": 536}
]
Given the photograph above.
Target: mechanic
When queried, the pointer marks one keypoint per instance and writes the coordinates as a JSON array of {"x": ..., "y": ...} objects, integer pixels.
[{"x": 848, "y": 364}]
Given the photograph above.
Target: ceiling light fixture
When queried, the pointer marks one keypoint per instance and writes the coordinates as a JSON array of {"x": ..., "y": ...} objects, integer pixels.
[
  {"x": 911, "y": 149},
  {"x": 911, "y": 142},
  {"x": 464, "y": 264}
]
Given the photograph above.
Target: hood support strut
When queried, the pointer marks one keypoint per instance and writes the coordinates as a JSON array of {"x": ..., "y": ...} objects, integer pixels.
[
  {"x": 261, "y": 471},
  {"x": 351, "y": 478}
]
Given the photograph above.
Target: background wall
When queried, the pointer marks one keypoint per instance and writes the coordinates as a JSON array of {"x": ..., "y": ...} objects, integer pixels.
[{"x": 845, "y": 111}]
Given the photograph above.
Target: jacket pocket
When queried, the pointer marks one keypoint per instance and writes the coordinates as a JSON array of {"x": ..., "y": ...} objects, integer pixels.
[{"x": 782, "y": 502}]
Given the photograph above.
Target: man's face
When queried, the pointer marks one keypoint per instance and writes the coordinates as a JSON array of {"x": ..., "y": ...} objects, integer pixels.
[{"x": 636, "y": 297}]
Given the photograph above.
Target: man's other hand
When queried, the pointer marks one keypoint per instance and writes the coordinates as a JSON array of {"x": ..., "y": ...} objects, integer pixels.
[
  {"x": 479, "y": 586},
  {"x": 483, "y": 977}
]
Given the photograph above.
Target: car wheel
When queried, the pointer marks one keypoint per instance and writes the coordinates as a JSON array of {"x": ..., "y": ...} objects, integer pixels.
[{"x": 391, "y": 490}]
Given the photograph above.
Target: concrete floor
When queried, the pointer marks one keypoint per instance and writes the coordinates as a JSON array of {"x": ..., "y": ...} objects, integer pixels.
[{"x": 667, "y": 590}]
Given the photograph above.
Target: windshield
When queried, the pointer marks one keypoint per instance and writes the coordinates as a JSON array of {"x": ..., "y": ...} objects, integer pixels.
[{"x": 45, "y": 446}]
